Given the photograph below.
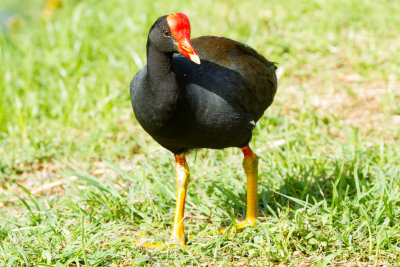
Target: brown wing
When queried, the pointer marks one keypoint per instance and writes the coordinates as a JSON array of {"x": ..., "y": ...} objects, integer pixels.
[{"x": 257, "y": 72}]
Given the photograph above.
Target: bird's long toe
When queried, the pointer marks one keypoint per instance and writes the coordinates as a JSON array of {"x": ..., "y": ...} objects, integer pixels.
[
  {"x": 173, "y": 243},
  {"x": 247, "y": 222}
]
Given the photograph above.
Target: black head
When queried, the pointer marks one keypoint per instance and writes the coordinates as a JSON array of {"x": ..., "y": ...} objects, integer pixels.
[
  {"x": 171, "y": 34},
  {"x": 161, "y": 37}
]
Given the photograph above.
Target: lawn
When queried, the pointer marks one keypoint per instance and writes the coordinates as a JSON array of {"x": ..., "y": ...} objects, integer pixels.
[{"x": 81, "y": 182}]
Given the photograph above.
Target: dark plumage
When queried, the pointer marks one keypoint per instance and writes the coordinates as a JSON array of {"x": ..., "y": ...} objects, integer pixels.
[{"x": 212, "y": 105}]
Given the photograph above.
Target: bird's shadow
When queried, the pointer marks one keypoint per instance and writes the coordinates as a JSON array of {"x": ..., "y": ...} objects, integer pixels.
[{"x": 301, "y": 189}]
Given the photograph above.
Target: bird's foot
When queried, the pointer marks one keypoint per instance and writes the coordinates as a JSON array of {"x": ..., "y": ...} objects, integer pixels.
[
  {"x": 178, "y": 240},
  {"x": 173, "y": 243},
  {"x": 251, "y": 221},
  {"x": 162, "y": 246}
]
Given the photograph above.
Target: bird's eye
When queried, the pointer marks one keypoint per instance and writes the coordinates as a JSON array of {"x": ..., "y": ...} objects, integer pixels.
[{"x": 166, "y": 33}]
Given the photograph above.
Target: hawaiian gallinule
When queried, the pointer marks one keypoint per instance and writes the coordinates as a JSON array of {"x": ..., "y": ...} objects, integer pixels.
[{"x": 207, "y": 92}]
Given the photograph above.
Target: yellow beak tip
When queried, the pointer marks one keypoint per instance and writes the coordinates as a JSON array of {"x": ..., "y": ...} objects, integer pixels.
[{"x": 195, "y": 59}]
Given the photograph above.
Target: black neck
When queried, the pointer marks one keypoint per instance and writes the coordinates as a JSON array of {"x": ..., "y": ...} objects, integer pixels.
[
  {"x": 159, "y": 67},
  {"x": 163, "y": 85}
]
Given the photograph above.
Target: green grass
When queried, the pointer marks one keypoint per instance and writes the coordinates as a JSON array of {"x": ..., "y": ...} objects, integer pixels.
[{"x": 329, "y": 194}]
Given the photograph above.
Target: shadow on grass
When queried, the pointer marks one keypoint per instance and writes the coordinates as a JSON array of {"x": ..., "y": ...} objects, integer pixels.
[{"x": 328, "y": 184}]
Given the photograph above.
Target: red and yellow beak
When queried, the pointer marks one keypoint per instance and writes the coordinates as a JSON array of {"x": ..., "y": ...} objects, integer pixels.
[
  {"x": 186, "y": 49},
  {"x": 180, "y": 28}
]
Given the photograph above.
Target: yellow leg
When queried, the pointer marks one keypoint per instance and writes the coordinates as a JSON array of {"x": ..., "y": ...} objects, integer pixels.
[
  {"x": 250, "y": 166},
  {"x": 182, "y": 180}
]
